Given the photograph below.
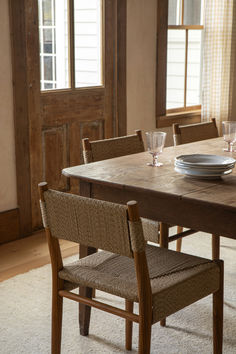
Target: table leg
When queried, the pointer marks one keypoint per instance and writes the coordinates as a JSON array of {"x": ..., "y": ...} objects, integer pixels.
[
  {"x": 164, "y": 234},
  {"x": 215, "y": 247},
  {"x": 84, "y": 310}
]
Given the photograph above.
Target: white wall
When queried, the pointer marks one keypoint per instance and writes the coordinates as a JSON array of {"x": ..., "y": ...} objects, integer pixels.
[{"x": 8, "y": 199}]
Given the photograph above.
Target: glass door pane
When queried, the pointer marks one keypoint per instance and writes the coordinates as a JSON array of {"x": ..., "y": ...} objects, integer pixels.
[
  {"x": 88, "y": 42},
  {"x": 53, "y": 41}
]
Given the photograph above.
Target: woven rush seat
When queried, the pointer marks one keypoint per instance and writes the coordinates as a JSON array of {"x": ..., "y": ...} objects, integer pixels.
[{"x": 116, "y": 275}]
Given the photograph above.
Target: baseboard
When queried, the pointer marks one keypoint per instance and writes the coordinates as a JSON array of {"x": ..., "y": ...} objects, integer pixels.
[{"x": 9, "y": 225}]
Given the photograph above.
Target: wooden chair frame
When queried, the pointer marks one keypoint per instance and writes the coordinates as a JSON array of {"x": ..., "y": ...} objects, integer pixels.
[{"x": 144, "y": 318}]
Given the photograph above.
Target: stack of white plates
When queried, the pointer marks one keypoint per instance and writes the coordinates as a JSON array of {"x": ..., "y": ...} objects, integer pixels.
[{"x": 204, "y": 166}]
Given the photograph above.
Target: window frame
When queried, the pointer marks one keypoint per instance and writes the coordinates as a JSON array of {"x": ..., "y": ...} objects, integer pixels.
[{"x": 173, "y": 115}]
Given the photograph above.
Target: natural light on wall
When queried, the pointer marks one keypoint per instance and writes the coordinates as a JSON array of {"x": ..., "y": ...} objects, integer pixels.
[
  {"x": 184, "y": 53},
  {"x": 55, "y": 43}
]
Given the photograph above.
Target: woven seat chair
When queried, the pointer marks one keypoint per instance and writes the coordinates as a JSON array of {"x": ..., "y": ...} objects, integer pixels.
[
  {"x": 183, "y": 134},
  {"x": 159, "y": 280},
  {"x": 120, "y": 146}
]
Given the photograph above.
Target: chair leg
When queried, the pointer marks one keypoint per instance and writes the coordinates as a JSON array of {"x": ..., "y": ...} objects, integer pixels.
[
  {"x": 84, "y": 311},
  {"x": 57, "y": 305},
  {"x": 164, "y": 234},
  {"x": 128, "y": 326},
  {"x": 218, "y": 314},
  {"x": 145, "y": 328},
  {"x": 179, "y": 241},
  {"x": 215, "y": 247}
]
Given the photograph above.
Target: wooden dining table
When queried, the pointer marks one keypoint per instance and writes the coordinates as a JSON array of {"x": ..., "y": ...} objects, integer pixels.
[{"x": 162, "y": 193}]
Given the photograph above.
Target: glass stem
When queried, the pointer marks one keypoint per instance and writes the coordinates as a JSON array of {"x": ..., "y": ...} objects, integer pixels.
[
  {"x": 155, "y": 157},
  {"x": 231, "y": 147}
]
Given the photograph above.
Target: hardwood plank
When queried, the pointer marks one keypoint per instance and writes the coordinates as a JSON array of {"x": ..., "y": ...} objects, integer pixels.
[
  {"x": 9, "y": 225},
  {"x": 28, "y": 253}
]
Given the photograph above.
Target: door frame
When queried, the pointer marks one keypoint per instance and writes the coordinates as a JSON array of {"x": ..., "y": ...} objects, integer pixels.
[{"x": 26, "y": 96}]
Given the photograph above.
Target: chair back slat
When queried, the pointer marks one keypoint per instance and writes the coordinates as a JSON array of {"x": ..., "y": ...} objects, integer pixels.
[
  {"x": 114, "y": 147},
  {"x": 194, "y": 132},
  {"x": 87, "y": 221}
]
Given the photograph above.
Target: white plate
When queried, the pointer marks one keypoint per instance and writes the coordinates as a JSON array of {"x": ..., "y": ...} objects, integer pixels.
[
  {"x": 205, "y": 160},
  {"x": 201, "y": 174},
  {"x": 204, "y": 168}
]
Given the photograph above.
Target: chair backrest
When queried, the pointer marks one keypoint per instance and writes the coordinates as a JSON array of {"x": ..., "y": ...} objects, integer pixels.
[
  {"x": 183, "y": 134},
  {"x": 90, "y": 222},
  {"x": 115, "y": 147}
]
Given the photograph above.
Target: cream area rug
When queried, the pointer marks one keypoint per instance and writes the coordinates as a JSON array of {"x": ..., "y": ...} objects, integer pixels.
[{"x": 25, "y": 322}]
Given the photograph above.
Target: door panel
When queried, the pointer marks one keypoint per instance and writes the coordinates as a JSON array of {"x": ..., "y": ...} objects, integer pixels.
[
  {"x": 55, "y": 150},
  {"x": 82, "y": 104}
]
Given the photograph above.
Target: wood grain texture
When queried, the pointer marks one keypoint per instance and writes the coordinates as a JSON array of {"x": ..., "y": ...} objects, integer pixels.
[
  {"x": 171, "y": 195},
  {"x": 21, "y": 116},
  {"x": 55, "y": 144},
  {"x": 22, "y": 255},
  {"x": 121, "y": 79},
  {"x": 9, "y": 225},
  {"x": 66, "y": 105},
  {"x": 161, "y": 64},
  {"x": 33, "y": 94}
]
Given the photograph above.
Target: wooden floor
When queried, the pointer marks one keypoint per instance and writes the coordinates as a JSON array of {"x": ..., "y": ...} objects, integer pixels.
[{"x": 28, "y": 253}]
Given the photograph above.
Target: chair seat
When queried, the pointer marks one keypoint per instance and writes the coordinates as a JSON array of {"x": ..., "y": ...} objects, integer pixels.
[{"x": 177, "y": 279}]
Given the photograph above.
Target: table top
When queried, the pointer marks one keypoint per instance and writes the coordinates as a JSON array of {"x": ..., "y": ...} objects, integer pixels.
[
  {"x": 131, "y": 173},
  {"x": 132, "y": 170}
]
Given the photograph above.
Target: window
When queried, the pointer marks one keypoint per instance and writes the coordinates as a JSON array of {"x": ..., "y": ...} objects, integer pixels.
[
  {"x": 184, "y": 54},
  {"x": 179, "y": 60},
  {"x": 70, "y": 34}
]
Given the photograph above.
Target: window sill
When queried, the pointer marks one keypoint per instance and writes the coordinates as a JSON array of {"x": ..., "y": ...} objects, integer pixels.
[{"x": 180, "y": 117}]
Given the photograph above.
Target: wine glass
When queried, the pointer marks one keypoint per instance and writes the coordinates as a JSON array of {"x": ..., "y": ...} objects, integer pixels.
[
  {"x": 155, "y": 144},
  {"x": 229, "y": 134}
]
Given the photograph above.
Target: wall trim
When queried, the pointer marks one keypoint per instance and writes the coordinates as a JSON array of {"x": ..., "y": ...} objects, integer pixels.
[{"x": 9, "y": 225}]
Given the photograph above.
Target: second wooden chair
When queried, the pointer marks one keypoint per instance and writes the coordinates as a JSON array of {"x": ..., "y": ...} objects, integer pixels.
[
  {"x": 126, "y": 145},
  {"x": 183, "y": 134}
]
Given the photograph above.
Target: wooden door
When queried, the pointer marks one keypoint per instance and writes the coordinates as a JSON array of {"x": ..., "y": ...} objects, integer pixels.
[{"x": 55, "y": 121}]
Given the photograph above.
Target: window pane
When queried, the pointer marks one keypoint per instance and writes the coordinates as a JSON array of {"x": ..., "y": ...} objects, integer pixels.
[
  {"x": 48, "y": 68},
  {"x": 192, "y": 12},
  {"x": 48, "y": 86},
  {"x": 53, "y": 37},
  {"x": 47, "y": 41},
  {"x": 194, "y": 68},
  {"x": 175, "y": 69},
  {"x": 47, "y": 8},
  {"x": 88, "y": 42},
  {"x": 174, "y": 10}
]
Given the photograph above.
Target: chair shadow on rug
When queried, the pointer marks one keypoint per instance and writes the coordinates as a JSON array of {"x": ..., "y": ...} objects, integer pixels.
[{"x": 161, "y": 281}]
